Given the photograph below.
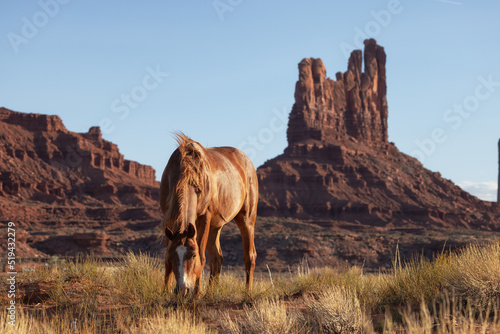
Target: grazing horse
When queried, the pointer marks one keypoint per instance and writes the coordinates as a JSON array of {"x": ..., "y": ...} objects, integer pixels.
[{"x": 201, "y": 190}]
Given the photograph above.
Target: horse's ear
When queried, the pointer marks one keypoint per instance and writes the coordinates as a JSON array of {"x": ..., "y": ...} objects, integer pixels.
[
  {"x": 169, "y": 234},
  {"x": 191, "y": 231}
]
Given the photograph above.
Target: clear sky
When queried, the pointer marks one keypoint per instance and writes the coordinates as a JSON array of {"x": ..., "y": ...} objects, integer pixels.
[{"x": 224, "y": 72}]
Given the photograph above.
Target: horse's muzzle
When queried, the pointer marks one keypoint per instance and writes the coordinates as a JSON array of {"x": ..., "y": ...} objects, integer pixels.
[{"x": 181, "y": 292}]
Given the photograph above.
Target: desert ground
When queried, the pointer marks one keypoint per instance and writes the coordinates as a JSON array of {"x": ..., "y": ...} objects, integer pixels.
[{"x": 455, "y": 292}]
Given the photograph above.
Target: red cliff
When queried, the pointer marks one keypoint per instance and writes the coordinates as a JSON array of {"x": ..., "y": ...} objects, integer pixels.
[{"x": 54, "y": 180}]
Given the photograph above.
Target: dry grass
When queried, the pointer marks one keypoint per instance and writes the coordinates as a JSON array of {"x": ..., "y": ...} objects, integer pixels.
[
  {"x": 336, "y": 310},
  {"x": 264, "y": 317},
  {"x": 471, "y": 273},
  {"x": 447, "y": 316},
  {"x": 454, "y": 293},
  {"x": 181, "y": 322},
  {"x": 140, "y": 280},
  {"x": 475, "y": 272}
]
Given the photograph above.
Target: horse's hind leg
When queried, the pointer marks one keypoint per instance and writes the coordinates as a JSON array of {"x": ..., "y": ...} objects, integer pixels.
[
  {"x": 246, "y": 224},
  {"x": 215, "y": 257}
]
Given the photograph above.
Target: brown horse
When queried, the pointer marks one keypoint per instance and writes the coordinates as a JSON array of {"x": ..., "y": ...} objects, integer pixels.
[{"x": 201, "y": 190}]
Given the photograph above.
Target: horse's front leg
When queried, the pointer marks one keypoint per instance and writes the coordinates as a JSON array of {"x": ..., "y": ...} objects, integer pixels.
[
  {"x": 202, "y": 231},
  {"x": 169, "y": 271},
  {"x": 215, "y": 257}
]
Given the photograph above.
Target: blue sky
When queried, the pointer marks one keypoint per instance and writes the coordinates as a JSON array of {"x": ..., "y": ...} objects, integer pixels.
[{"x": 224, "y": 72}]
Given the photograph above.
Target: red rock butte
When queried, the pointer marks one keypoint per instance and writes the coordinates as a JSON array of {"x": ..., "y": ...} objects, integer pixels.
[
  {"x": 354, "y": 105},
  {"x": 73, "y": 192},
  {"x": 339, "y": 164},
  {"x": 52, "y": 179}
]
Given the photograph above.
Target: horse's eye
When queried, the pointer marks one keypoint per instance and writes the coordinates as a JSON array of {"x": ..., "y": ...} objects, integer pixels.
[{"x": 193, "y": 256}]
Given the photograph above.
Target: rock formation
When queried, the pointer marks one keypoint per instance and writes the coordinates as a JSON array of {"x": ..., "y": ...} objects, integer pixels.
[
  {"x": 354, "y": 105},
  {"x": 339, "y": 163},
  {"x": 51, "y": 177},
  {"x": 41, "y": 160},
  {"x": 498, "y": 190},
  {"x": 340, "y": 191}
]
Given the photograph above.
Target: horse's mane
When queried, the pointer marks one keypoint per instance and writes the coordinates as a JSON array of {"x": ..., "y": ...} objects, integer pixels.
[
  {"x": 192, "y": 164},
  {"x": 192, "y": 172}
]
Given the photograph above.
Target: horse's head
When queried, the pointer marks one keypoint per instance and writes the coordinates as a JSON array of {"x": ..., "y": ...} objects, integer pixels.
[{"x": 183, "y": 253}]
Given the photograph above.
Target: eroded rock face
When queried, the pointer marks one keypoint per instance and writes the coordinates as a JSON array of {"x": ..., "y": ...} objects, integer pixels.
[
  {"x": 340, "y": 165},
  {"x": 53, "y": 180},
  {"x": 41, "y": 159},
  {"x": 353, "y": 105},
  {"x": 32, "y": 122}
]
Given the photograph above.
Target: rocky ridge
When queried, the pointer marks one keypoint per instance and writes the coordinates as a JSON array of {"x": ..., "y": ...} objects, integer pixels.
[
  {"x": 339, "y": 192},
  {"x": 77, "y": 182},
  {"x": 339, "y": 163}
]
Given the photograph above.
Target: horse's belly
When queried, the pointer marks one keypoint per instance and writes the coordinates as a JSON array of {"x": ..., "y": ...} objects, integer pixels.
[
  {"x": 231, "y": 196},
  {"x": 217, "y": 221},
  {"x": 225, "y": 214},
  {"x": 229, "y": 207}
]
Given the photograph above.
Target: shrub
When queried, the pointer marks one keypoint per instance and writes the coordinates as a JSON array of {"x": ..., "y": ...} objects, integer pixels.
[
  {"x": 336, "y": 310},
  {"x": 140, "y": 279},
  {"x": 475, "y": 272},
  {"x": 265, "y": 317}
]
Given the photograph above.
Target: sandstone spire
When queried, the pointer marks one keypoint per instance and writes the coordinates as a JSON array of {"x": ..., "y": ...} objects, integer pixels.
[
  {"x": 353, "y": 105},
  {"x": 339, "y": 164}
]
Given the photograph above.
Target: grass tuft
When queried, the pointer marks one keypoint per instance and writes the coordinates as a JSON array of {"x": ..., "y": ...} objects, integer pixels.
[
  {"x": 266, "y": 316},
  {"x": 336, "y": 310},
  {"x": 140, "y": 280},
  {"x": 456, "y": 292},
  {"x": 179, "y": 322}
]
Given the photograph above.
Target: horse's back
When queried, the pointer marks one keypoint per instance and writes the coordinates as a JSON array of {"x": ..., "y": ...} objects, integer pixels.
[
  {"x": 235, "y": 155},
  {"x": 227, "y": 157},
  {"x": 237, "y": 177}
]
